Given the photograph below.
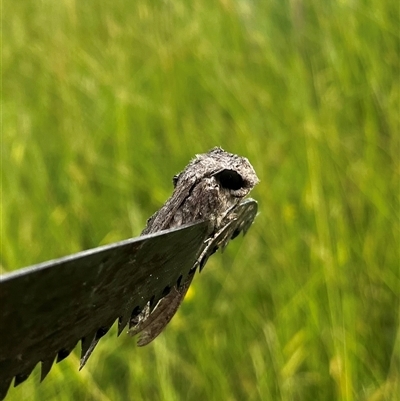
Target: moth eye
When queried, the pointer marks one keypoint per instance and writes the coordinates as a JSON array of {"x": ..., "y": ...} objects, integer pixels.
[
  {"x": 175, "y": 179},
  {"x": 230, "y": 179}
]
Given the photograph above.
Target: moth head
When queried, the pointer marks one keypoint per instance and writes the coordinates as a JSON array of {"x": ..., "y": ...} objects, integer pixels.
[
  {"x": 232, "y": 172},
  {"x": 237, "y": 184},
  {"x": 230, "y": 179}
]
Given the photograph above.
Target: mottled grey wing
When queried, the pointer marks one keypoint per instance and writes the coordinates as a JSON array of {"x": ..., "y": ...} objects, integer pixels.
[
  {"x": 153, "y": 324},
  {"x": 162, "y": 218},
  {"x": 236, "y": 220}
]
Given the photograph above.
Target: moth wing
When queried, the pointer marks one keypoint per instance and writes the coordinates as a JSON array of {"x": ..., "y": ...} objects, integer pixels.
[
  {"x": 154, "y": 323},
  {"x": 162, "y": 218}
]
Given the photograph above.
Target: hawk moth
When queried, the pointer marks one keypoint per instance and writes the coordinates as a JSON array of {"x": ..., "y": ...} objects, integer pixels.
[{"x": 211, "y": 187}]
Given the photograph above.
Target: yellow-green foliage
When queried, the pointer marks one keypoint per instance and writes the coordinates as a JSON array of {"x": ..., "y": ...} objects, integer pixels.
[{"x": 103, "y": 102}]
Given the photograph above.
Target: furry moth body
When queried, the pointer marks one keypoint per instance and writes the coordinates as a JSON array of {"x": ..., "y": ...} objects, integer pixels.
[{"x": 212, "y": 187}]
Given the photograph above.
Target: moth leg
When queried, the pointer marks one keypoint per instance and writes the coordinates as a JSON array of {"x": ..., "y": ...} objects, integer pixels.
[
  {"x": 219, "y": 239},
  {"x": 236, "y": 219}
]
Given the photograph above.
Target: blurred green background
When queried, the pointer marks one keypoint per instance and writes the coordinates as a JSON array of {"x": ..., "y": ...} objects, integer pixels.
[{"x": 103, "y": 102}]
